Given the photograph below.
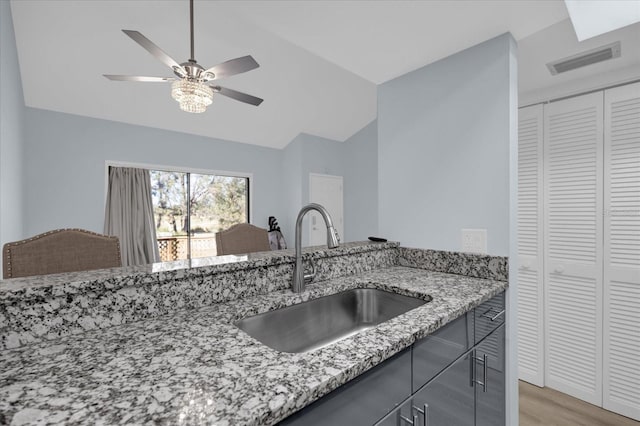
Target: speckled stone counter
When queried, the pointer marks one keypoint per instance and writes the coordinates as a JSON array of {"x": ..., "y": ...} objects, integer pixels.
[
  {"x": 195, "y": 367},
  {"x": 50, "y": 306},
  {"x": 468, "y": 264}
]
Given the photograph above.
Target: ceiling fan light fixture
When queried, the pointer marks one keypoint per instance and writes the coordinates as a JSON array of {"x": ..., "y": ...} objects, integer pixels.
[
  {"x": 193, "y": 96},
  {"x": 191, "y": 90}
]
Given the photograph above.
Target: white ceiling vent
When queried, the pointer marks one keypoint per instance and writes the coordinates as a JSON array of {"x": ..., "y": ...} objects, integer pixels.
[{"x": 583, "y": 59}]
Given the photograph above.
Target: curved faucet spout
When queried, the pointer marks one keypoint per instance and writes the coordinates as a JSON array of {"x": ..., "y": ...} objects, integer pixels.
[{"x": 298, "y": 282}]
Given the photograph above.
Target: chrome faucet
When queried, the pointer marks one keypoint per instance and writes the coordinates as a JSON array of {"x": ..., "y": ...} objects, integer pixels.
[{"x": 297, "y": 285}]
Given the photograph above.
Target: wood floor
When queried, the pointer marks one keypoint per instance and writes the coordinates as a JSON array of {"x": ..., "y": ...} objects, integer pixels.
[{"x": 544, "y": 406}]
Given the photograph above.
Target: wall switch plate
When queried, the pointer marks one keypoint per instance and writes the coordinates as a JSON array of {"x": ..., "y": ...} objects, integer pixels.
[{"x": 474, "y": 240}]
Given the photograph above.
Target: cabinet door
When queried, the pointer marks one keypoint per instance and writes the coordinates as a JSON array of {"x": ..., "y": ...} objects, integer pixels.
[
  {"x": 621, "y": 372},
  {"x": 490, "y": 380},
  {"x": 573, "y": 151},
  {"x": 435, "y": 352},
  {"x": 530, "y": 254},
  {"x": 449, "y": 398}
]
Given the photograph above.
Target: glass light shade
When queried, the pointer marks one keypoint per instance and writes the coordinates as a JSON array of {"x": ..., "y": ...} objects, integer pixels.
[{"x": 193, "y": 96}]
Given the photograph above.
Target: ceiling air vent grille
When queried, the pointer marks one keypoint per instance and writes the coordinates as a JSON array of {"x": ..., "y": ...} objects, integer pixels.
[{"x": 583, "y": 59}]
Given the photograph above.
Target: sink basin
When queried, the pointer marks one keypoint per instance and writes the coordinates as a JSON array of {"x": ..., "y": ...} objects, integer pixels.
[{"x": 320, "y": 322}]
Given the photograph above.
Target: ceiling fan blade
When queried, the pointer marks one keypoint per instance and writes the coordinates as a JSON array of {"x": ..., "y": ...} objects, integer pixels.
[
  {"x": 233, "y": 67},
  {"x": 137, "y": 78},
  {"x": 153, "y": 49},
  {"x": 238, "y": 96}
]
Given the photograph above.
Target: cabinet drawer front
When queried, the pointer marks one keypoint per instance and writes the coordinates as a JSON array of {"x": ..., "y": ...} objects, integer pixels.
[
  {"x": 489, "y": 316},
  {"x": 364, "y": 400},
  {"x": 435, "y": 352}
]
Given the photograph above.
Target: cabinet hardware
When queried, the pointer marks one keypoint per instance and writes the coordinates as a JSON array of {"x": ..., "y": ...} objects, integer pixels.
[
  {"x": 485, "y": 364},
  {"x": 402, "y": 419},
  {"x": 491, "y": 317},
  {"x": 472, "y": 375},
  {"x": 425, "y": 413},
  {"x": 484, "y": 360}
]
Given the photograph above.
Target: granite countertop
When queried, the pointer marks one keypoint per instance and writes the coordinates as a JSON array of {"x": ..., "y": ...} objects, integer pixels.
[
  {"x": 195, "y": 367},
  {"x": 112, "y": 278}
]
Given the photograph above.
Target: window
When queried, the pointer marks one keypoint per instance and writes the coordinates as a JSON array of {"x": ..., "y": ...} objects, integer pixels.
[{"x": 189, "y": 208}]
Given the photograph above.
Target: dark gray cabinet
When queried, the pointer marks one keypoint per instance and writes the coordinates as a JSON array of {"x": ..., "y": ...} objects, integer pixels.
[
  {"x": 470, "y": 391},
  {"x": 438, "y": 350},
  {"x": 490, "y": 379},
  {"x": 454, "y": 376},
  {"x": 449, "y": 398},
  {"x": 446, "y": 400}
]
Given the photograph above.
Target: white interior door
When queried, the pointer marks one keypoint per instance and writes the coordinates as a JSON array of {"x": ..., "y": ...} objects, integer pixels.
[
  {"x": 573, "y": 157},
  {"x": 326, "y": 190},
  {"x": 621, "y": 351},
  {"x": 530, "y": 247}
]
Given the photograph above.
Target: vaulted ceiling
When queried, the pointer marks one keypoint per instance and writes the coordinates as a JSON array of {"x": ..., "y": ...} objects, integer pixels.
[{"x": 320, "y": 61}]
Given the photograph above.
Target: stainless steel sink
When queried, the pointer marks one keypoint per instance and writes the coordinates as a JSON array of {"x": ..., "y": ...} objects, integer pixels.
[{"x": 320, "y": 322}]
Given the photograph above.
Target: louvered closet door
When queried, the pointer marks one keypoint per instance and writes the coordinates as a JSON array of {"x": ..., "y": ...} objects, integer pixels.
[
  {"x": 621, "y": 381},
  {"x": 573, "y": 151},
  {"x": 530, "y": 255}
]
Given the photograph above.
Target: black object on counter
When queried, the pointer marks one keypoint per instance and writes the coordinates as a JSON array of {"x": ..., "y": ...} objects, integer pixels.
[
  {"x": 273, "y": 224},
  {"x": 378, "y": 239},
  {"x": 276, "y": 239}
]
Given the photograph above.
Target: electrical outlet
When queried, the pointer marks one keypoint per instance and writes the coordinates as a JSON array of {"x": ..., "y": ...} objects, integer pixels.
[{"x": 474, "y": 240}]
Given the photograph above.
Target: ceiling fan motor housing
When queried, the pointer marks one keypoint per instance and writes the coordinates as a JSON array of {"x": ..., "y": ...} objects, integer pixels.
[{"x": 193, "y": 71}]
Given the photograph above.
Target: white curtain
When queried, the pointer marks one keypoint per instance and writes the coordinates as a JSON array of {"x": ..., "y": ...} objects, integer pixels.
[{"x": 129, "y": 215}]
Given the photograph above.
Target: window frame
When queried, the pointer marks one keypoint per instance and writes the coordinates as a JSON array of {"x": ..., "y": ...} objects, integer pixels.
[{"x": 165, "y": 168}]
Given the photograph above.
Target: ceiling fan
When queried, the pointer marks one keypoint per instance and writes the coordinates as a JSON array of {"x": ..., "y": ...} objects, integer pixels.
[{"x": 193, "y": 88}]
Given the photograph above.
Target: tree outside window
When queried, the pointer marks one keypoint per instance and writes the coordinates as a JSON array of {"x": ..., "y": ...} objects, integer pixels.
[{"x": 189, "y": 208}]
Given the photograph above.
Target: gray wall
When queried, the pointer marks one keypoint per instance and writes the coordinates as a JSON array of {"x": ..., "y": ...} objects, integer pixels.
[
  {"x": 66, "y": 155},
  {"x": 65, "y": 167},
  {"x": 308, "y": 154},
  {"x": 291, "y": 190},
  {"x": 447, "y": 155},
  {"x": 320, "y": 155},
  {"x": 361, "y": 184},
  {"x": 12, "y": 119},
  {"x": 443, "y": 150},
  {"x": 356, "y": 160}
]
